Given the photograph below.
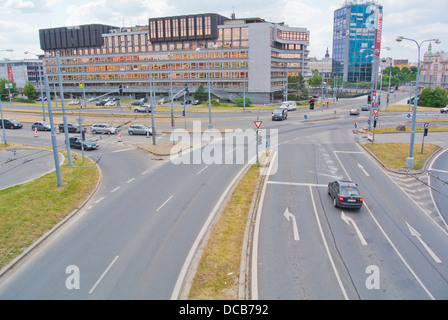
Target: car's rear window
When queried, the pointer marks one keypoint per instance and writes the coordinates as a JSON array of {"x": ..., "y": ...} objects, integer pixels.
[{"x": 349, "y": 191}]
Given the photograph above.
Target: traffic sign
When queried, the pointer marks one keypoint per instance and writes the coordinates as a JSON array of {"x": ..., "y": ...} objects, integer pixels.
[
  {"x": 258, "y": 124},
  {"x": 375, "y": 111}
]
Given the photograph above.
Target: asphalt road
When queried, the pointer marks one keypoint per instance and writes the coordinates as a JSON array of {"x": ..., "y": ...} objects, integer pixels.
[{"x": 133, "y": 239}]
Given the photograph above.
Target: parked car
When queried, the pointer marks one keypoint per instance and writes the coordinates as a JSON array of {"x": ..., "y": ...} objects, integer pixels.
[
  {"x": 197, "y": 102},
  {"x": 139, "y": 129},
  {"x": 72, "y": 102},
  {"x": 102, "y": 128},
  {"x": 110, "y": 103},
  {"x": 101, "y": 103},
  {"x": 143, "y": 108},
  {"x": 137, "y": 103},
  {"x": 11, "y": 124},
  {"x": 354, "y": 112},
  {"x": 444, "y": 110},
  {"x": 365, "y": 107},
  {"x": 279, "y": 114},
  {"x": 187, "y": 101},
  {"x": 41, "y": 126},
  {"x": 289, "y": 105},
  {"x": 345, "y": 194},
  {"x": 86, "y": 144},
  {"x": 72, "y": 127}
]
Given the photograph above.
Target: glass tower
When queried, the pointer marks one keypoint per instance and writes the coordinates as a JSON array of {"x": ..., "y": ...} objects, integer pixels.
[{"x": 357, "y": 40}]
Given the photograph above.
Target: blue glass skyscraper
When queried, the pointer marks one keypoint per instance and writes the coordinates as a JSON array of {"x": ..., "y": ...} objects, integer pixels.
[{"x": 357, "y": 30}]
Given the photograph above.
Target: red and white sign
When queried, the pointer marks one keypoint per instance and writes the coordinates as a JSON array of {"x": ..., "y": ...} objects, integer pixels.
[
  {"x": 375, "y": 111},
  {"x": 10, "y": 75},
  {"x": 379, "y": 31},
  {"x": 258, "y": 124}
]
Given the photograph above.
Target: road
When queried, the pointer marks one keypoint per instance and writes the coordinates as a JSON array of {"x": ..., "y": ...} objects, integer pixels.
[
  {"x": 308, "y": 249},
  {"x": 134, "y": 237}
]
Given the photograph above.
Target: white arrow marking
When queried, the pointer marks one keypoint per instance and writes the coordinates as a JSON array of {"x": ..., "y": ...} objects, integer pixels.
[
  {"x": 419, "y": 238},
  {"x": 288, "y": 215},
  {"x": 362, "y": 168},
  {"x": 349, "y": 220}
]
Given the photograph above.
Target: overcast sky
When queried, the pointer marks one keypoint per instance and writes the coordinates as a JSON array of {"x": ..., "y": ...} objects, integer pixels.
[{"x": 418, "y": 19}]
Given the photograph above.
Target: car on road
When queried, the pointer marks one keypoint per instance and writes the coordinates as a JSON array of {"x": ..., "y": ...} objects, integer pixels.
[
  {"x": 444, "y": 109},
  {"x": 11, "y": 124},
  {"x": 136, "y": 103},
  {"x": 197, "y": 102},
  {"x": 139, "y": 129},
  {"x": 289, "y": 105},
  {"x": 365, "y": 107},
  {"x": 345, "y": 194},
  {"x": 188, "y": 101},
  {"x": 280, "y": 114},
  {"x": 143, "y": 108},
  {"x": 73, "y": 102},
  {"x": 110, "y": 103},
  {"x": 354, "y": 112},
  {"x": 41, "y": 126},
  {"x": 101, "y": 103},
  {"x": 71, "y": 127},
  {"x": 102, "y": 128},
  {"x": 86, "y": 144}
]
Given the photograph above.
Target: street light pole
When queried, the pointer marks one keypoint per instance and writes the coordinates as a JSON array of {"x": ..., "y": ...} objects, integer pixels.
[
  {"x": 40, "y": 85},
  {"x": 410, "y": 159}
]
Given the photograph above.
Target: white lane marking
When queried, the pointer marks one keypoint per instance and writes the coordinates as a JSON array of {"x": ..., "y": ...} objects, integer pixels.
[
  {"x": 199, "y": 172},
  {"x": 164, "y": 203},
  {"x": 116, "y": 189},
  {"x": 289, "y": 215},
  {"x": 349, "y": 220},
  {"x": 419, "y": 238},
  {"x": 102, "y": 276},
  {"x": 130, "y": 180},
  {"x": 122, "y": 150},
  {"x": 99, "y": 200}
]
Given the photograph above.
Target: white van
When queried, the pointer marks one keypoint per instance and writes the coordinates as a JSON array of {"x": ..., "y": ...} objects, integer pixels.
[{"x": 289, "y": 105}]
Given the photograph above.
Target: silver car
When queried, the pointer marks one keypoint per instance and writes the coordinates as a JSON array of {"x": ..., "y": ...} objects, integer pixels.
[
  {"x": 139, "y": 129},
  {"x": 143, "y": 108},
  {"x": 103, "y": 128}
]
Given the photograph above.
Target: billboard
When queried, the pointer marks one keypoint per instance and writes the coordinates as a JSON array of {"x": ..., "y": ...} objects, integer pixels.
[{"x": 10, "y": 75}]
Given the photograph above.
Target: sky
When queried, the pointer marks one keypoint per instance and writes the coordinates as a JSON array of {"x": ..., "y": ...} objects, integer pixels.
[{"x": 416, "y": 19}]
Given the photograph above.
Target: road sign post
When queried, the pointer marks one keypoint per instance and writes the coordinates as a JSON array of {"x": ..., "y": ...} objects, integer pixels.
[
  {"x": 425, "y": 133},
  {"x": 257, "y": 124}
]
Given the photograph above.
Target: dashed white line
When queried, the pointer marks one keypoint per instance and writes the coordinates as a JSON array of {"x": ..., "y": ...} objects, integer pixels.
[
  {"x": 130, "y": 180},
  {"x": 99, "y": 200},
  {"x": 164, "y": 203},
  {"x": 199, "y": 172},
  {"x": 104, "y": 273},
  {"x": 116, "y": 189}
]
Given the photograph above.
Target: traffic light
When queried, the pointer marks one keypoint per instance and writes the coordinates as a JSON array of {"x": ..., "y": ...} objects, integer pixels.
[
  {"x": 425, "y": 131},
  {"x": 369, "y": 99},
  {"x": 312, "y": 103},
  {"x": 186, "y": 88},
  {"x": 120, "y": 89},
  {"x": 374, "y": 123}
]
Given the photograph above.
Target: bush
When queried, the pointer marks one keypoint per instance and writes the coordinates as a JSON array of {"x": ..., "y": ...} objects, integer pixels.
[
  {"x": 435, "y": 98},
  {"x": 240, "y": 102}
]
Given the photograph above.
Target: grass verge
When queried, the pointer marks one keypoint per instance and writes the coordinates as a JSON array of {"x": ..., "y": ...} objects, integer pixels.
[
  {"x": 219, "y": 267},
  {"x": 29, "y": 210},
  {"x": 394, "y": 155}
]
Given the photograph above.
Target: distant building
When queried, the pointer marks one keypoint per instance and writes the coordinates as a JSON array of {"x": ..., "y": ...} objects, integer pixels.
[
  {"x": 357, "y": 32},
  {"x": 20, "y": 72},
  {"x": 250, "y": 56},
  {"x": 401, "y": 63},
  {"x": 321, "y": 67},
  {"x": 434, "y": 69}
]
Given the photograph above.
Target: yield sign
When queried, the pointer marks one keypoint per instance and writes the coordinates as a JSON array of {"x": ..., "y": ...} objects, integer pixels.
[
  {"x": 258, "y": 124},
  {"x": 375, "y": 111}
]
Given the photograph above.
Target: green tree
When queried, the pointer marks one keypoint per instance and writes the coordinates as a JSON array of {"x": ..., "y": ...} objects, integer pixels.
[
  {"x": 200, "y": 94},
  {"x": 4, "y": 90},
  {"x": 240, "y": 101},
  {"x": 29, "y": 91},
  {"x": 297, "y": 89},
  {"x": 435, "y": 98},
  {"x": 315, "y": 80}
]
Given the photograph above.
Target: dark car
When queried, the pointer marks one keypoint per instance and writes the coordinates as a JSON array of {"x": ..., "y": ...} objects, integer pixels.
[
  {"x": 86, "y": 144},
  {"x": 197, "y": 102},
  {"x": 137, "y": 103},
  {"x": 11, "y": 124},
  {"x": 188, "y": 101},
  {"x": 101, "y": 103},
  {"x": 72, "y": 127},
  {"x": 365, "y": 107},
  {"x": 279, "y": 114},
  {"x": 41, "y": 126},
  {"x": 345, "y": 194}
]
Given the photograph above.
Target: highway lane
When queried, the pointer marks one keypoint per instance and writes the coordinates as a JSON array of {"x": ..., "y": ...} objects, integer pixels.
[
  {"x": 131, "y": 240},
  {"x": 348, "y": 247},
  {"x": 438, "y": 172}
]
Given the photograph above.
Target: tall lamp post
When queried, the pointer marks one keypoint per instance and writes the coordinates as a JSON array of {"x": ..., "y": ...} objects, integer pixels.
[
  {"x": 1, "y": 112},
  {"x": 207, "y": 51},
  {"x": 40, "y": 85},
  {"x": 410, "y": 159}
]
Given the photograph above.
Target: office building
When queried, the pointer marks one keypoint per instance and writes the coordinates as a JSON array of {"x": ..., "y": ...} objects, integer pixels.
[
  {"x": 357, "y": 32},
  {"x": 241, "y": 56},
  {"x": 19, "y": 72},
  {"x": 434, "y": 69}
]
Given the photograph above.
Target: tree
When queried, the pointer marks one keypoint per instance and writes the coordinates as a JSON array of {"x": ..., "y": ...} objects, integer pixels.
[
  {"x": 435, "y": 98},
  {"x": 315, "y": 80},
  {"x": 297, "y": 89},
  {"x": 29, "y": 91},
  {"x": 200, "y": 94},
  {"x": 4, "y": 89},
  {"x": 240, "y": 101}
]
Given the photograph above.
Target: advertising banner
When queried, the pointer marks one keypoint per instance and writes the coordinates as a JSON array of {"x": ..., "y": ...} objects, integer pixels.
[
  {"x": 379, "y": 29},
  {"x": 10, "y": 75}
]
